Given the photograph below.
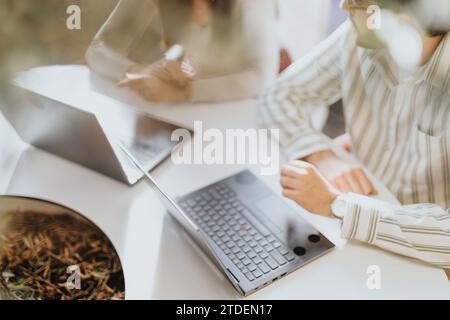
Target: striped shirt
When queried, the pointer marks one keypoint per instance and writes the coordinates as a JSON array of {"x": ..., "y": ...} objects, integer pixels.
[{"x": 400, "y": 130}]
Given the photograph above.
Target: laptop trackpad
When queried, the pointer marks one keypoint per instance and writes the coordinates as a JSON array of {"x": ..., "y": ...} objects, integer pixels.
[{"x": 274, "y": 213}]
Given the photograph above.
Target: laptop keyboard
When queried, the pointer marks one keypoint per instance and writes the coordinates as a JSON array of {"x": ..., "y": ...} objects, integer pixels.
[{"x": 254, "y": 250}]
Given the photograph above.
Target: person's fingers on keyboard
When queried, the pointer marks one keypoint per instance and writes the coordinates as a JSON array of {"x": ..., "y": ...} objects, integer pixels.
[
  {"x": 353, "y": 181},
  {"x": 305, "y": 186},
  {"x": 334, "y": 184},
  {"x": 288, "y": 183},
  {"x": 290, "y": 194},
  {"x": 342, "y": 176},
  {"x": 366, "y": 184},
  {"x": 341, "y": 184},
  {"x": 287, "y": 173}
]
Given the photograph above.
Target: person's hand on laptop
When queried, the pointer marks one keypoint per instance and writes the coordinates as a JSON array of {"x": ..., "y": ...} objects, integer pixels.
[
  {"x": 164, "y": 80},
  {"x": 343, "y": 176},
  {"x": 304, "y": 184}
]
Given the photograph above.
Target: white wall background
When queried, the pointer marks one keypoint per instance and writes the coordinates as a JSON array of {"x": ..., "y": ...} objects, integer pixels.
[{"x": 303, "y": 24}]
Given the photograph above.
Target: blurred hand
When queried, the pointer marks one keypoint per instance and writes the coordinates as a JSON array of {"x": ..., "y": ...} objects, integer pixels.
[
  {"x": 164, "y": 80},
  {"x": 303, "y": 184},
  {"x": 342, "y": 175}
]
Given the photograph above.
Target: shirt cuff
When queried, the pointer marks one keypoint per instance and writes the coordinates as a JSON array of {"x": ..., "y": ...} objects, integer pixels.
[{"x": 362, "y": 215}]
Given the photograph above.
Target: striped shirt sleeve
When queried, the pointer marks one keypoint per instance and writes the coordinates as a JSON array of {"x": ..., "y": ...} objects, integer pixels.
[
  {"x": 419, "y": 231},
  {"x": 311, "y": 82}
]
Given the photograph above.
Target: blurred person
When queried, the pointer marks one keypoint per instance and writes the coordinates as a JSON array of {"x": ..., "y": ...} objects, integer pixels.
[
  {"x": 231, "y": 49},
  {"x": 399, "y": 123}
]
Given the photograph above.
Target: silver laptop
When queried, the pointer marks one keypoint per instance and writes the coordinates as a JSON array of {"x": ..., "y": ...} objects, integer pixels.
[
  {"x": 82, "y": 137},
  {"x": 245, "y": 228}
]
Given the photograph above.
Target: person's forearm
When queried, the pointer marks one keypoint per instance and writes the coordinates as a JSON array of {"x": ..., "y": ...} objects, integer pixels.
[
  {"x": 107, "y": 63},
  {"x": 108, "y": 53},
  {"x": 418, "y": 231}
]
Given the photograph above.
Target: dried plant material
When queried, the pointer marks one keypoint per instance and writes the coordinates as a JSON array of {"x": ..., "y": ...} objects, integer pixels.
[
  {"x": 37, "y": 249},
  {"x": 4, "y": 291}
]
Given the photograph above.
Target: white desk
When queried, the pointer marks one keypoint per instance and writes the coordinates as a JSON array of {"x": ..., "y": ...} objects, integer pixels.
[{"x": 159, "y": 261}]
